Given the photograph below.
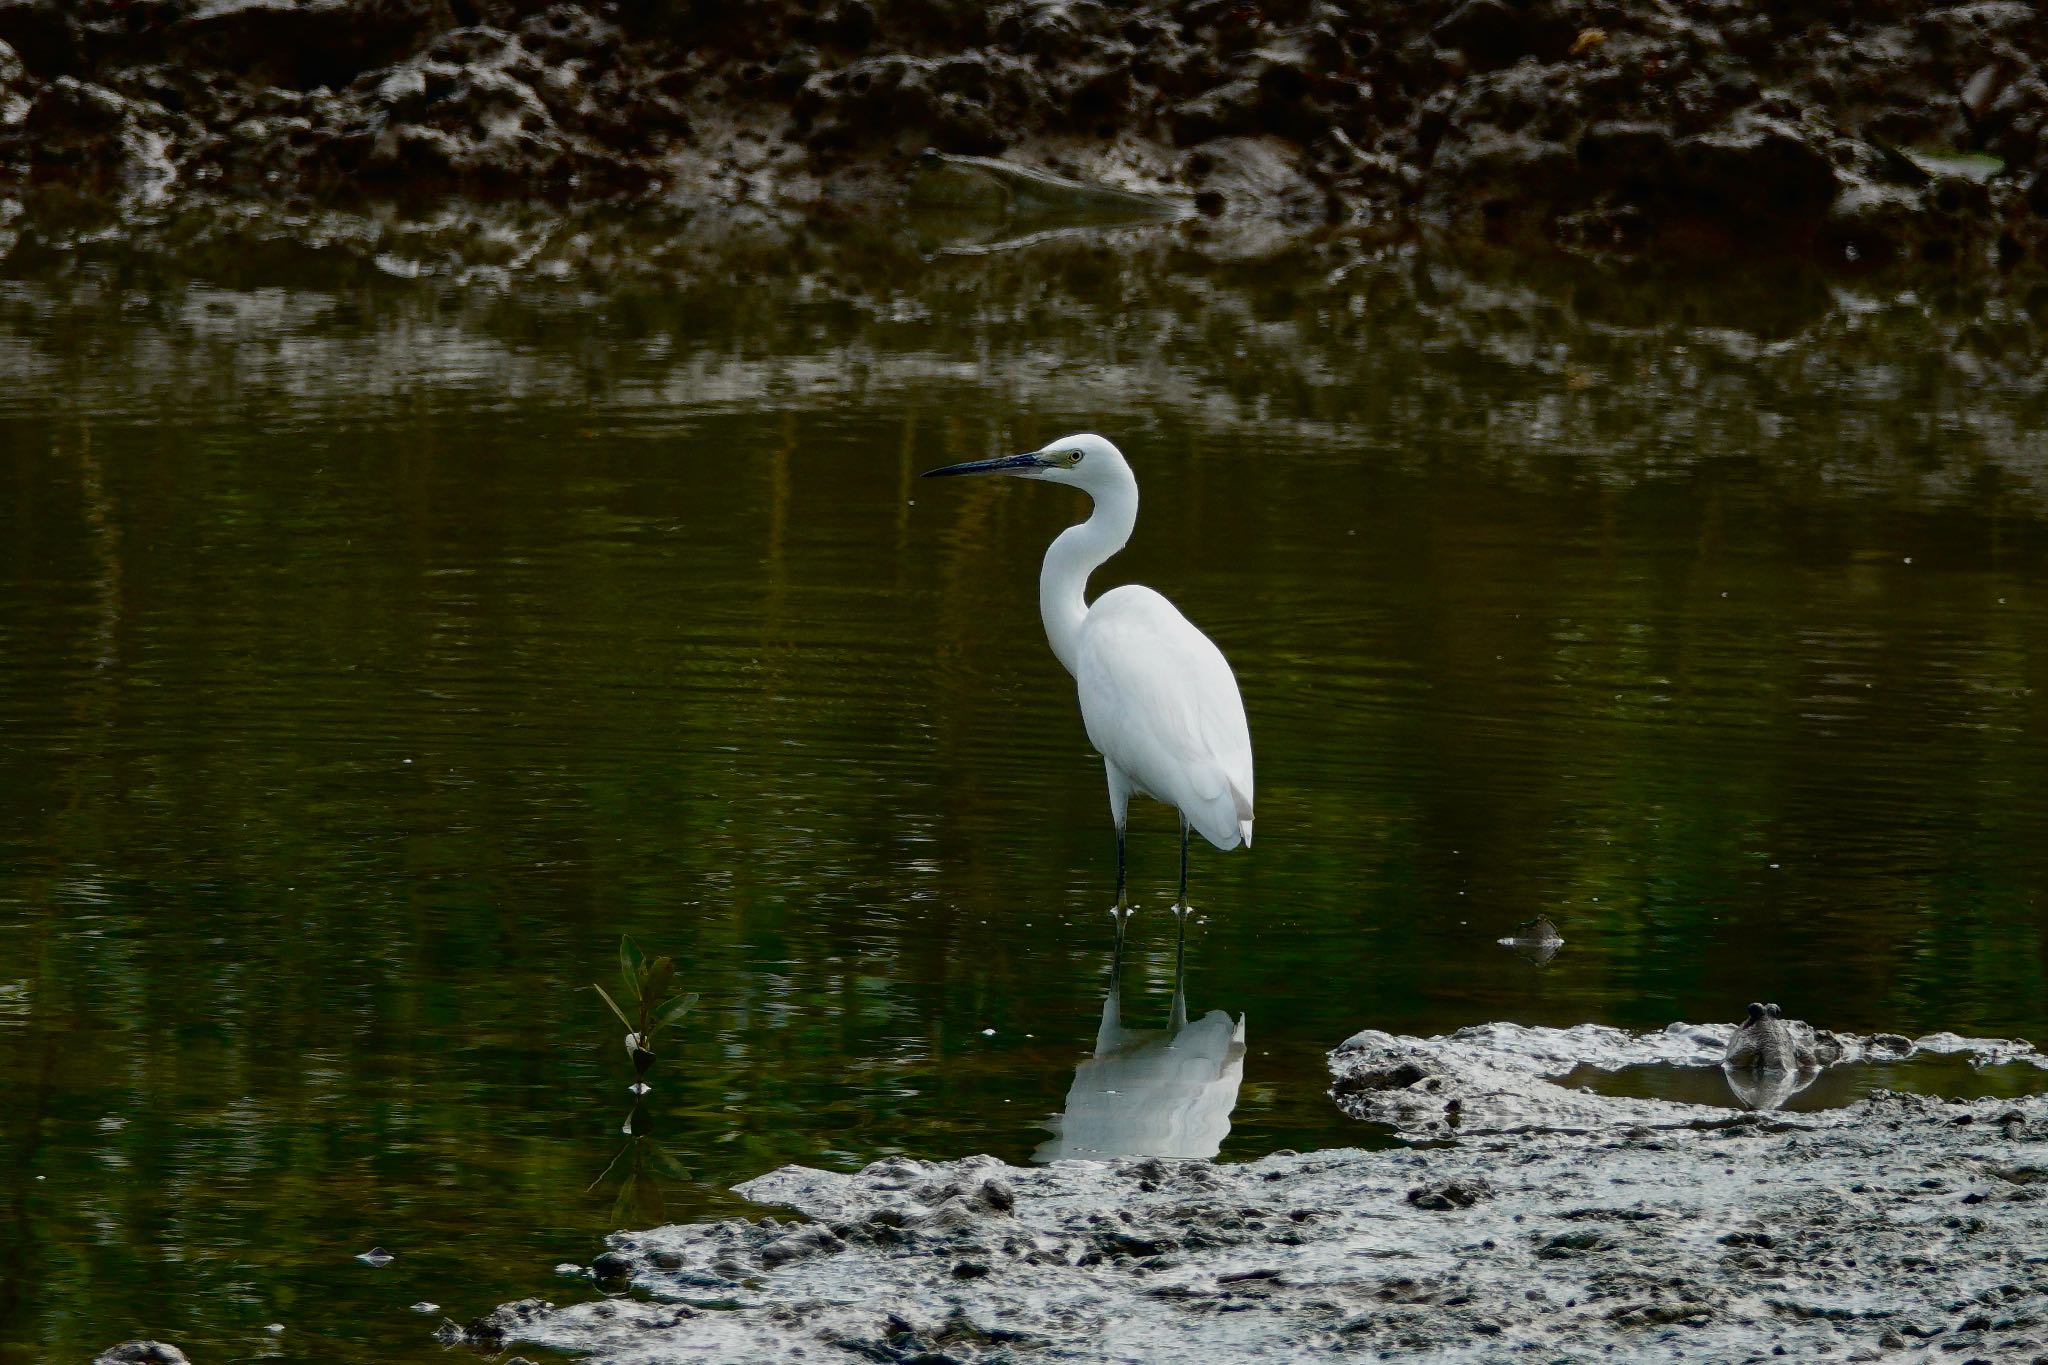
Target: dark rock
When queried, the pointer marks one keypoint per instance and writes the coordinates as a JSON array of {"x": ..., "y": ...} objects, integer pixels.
[
  {"x": 1494, "y": 33},
  {"x": 1397, "y": 1077},
  {"x": 1759, "y": 172},
  {"x": 299, "y": 45},
  {"x": 44, "y": 33},
  {"x": 493, "y": 1329},
  {"x": 1566, "y": 1244},
  {"x": 78, "y": 127},
  {"x": 1659, "y": 1314},
  {"x": 813, "y": 1239},
  {"x": 1135, "y": 1244},
  {"x": 1449, "y": 1194},
  {"x": 611, "y": 1269},
  {"x": 851, "y": 24},
  {"x": 1220, "y": 112}
]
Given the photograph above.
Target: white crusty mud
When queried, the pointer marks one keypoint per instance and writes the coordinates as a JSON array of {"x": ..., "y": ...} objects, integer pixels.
[
  {"x": 1553, "y": 1225},
  {"x": 1496, "y": 1078}
]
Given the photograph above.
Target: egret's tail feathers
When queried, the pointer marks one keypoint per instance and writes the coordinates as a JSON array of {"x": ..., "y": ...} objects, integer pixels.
[{"x": 1223, "y": 817}]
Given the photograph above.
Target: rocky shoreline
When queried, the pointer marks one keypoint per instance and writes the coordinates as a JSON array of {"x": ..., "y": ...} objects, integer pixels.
[
  {"x": 1850, "y": 136},
  {"x": 1525, "y": 1220}
]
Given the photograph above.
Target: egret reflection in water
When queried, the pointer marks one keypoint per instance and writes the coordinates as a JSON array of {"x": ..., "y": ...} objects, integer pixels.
[{"x": 1151, "y": 1092}]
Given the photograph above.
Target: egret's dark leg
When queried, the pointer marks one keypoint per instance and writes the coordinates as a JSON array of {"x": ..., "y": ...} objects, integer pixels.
[
  {"x": 1122, "y": 911},
  {"x": 1183, "y": 901},
  {"x": 1179, "y": 1017},
  {"x": 1121, "y": 904}
]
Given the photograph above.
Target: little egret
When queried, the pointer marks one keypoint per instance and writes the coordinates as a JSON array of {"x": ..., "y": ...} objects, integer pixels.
[{"x": 1158, "y": 699}]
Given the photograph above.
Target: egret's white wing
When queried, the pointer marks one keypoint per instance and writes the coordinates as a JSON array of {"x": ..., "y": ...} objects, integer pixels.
[{"x": 1161, "y": 703}]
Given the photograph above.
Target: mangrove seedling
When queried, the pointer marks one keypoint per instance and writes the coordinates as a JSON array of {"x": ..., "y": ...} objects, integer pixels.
[{"x": 646, "y": 985}]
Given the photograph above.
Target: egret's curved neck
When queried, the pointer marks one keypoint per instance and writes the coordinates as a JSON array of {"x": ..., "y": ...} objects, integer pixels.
[{"x": 1073, "y": 555}]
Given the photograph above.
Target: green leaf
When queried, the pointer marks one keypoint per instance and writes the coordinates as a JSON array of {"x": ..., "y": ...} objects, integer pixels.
[
  {"x": 660, "y": 974},
  {"x": 631, "y": 960},
  {"x": 631, "y": 1027},
  {"x": 675, "y": 1009}
]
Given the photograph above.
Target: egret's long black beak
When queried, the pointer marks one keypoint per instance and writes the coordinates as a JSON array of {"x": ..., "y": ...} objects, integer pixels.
[{"x": 1008, "y": 464}]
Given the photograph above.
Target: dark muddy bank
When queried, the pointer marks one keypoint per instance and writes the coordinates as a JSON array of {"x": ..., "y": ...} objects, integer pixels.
[
  {"x": 1558, "y": 1226},
  {"x": 1850, "y": 134}
]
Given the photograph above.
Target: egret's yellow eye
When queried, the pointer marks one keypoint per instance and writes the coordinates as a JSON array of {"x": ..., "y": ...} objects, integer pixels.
[{"x": 1070, "y": 457}]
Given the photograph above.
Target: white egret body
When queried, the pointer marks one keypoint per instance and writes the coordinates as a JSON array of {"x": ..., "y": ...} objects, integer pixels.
[{"x": 1160, "y": 703}]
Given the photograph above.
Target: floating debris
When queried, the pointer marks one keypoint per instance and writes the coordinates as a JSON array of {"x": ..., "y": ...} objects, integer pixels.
[
  {"x": 1536, "y": 941},
  {"x": 376, "y": 1256},
  {"x": 1015, "y": 190}
]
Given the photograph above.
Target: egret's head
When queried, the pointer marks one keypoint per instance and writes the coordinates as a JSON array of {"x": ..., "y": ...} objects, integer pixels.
[{"x": 1085, "y": 461}]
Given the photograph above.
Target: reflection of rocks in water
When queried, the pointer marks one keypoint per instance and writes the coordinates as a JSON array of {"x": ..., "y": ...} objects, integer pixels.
[
  {"x": 1241, "y": 343},
  {"x": 1535, "y": 941},
  {"x": 1151, "y": 1092}
]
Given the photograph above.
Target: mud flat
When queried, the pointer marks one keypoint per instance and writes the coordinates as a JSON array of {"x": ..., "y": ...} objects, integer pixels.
[
  {"x": 1847, "y": 135},
  {"x": 1521, "y": 1220}
]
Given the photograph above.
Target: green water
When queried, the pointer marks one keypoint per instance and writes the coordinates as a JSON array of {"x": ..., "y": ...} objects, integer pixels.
[{"x": 374, "y": 653}]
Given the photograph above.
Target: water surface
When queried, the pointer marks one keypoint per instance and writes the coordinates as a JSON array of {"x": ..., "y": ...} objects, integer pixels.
[{"x": 374, "y": 653}]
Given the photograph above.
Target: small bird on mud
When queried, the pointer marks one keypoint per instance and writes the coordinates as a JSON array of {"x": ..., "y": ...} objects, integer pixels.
[
  {"x": 1158, "y": 699},
  {"x": 1765, "y": 1041}
]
